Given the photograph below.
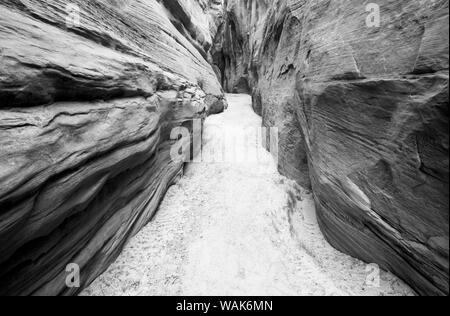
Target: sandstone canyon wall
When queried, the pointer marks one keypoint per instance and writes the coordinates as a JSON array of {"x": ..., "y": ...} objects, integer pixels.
[
  {"x": 363, "y": 111},
  {"x": 86, "y": 113}
]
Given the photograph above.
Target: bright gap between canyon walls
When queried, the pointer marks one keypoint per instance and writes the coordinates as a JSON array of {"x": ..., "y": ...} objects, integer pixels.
[
  {"x": 234, "y": 226},
  {"x": 91, "y": 91}
]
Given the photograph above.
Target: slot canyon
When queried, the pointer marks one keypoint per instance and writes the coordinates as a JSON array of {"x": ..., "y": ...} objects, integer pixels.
[{"x": 92, "y": 91}]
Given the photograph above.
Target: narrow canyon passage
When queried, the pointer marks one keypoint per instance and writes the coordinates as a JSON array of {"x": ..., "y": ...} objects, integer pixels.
[{"x": 236, "y": 228}]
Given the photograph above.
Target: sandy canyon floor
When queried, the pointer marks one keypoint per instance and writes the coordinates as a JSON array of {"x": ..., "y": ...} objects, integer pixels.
[{"x": 237, "y": 227}]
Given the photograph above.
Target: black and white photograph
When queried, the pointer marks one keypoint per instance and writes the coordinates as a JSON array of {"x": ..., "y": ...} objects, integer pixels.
[{"x": 224, "y": 154}]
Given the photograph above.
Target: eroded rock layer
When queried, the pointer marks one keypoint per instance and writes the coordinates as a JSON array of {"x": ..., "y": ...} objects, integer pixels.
[
  {"x": 86, "y": 112},
  {"x": 364, "y": 109}
]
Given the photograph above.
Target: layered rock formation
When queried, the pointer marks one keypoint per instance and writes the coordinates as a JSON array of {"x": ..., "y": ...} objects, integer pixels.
[
  {"x": 86, "y": 111},
  {"x": 363, "y": 110}
]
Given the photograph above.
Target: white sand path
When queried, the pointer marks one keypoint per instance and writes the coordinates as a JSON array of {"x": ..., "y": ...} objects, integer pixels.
[{"x": 236, "y": 229}]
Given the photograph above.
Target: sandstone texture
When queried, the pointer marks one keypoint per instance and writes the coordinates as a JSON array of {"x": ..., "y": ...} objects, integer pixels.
[
  {"x": 363, "y": 111},
  {"x": 87, "y": 109},
  {"x": 86, "y": 113}
]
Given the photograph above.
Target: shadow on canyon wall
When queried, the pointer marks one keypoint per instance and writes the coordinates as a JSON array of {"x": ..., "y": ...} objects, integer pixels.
[{"x": 86, "y": 113}]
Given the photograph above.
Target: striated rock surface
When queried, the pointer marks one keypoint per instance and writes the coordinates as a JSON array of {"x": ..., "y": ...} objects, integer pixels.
[
  {"x": 362, "y": 110},
  {"x": 86, "y": 113}
]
